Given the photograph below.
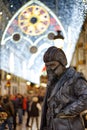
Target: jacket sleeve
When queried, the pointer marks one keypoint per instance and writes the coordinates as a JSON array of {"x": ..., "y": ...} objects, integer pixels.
[{"x": 80, "y": 104}]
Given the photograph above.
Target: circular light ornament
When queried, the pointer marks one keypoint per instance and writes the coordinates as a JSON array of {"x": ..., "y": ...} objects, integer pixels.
[
  {"x": 16, "y": 37},
  {"x": 51, "y": 36},
  {"x": 34, "y": 20},
  {"x": 33, "y": 49}
]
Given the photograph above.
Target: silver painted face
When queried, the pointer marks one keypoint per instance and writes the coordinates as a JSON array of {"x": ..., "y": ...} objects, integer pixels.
[
  {"x": 52, "y": 65},
  {"x": 56, "y": 67}
]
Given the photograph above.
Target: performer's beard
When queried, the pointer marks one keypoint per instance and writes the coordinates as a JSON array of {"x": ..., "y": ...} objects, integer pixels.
[{"x": 52, "y": 77}]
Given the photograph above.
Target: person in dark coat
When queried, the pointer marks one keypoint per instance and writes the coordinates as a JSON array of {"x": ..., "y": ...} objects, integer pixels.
[
  {"x": 3, "y": 115},
  {"x": 9, "y": 108},
  {"x": 29, "y": 103},
  {"x": 35, "y": 108},
  {"x": 66, "y": 95}
]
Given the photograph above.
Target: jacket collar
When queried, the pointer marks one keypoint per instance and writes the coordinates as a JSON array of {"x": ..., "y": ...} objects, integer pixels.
[{"x": 69, "y": 73}]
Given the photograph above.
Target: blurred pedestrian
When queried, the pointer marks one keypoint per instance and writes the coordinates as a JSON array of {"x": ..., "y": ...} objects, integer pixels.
[
  {"x": 9, "y": 108},
  {"x": 13, "y": 99},
  {"x": 3, "y": 115},
  {"x": 24, "y": 104},
  {"x": 19, "y": 102},
  {"x": 29, "y": 103},
  {"x": 35, "y": 108}
]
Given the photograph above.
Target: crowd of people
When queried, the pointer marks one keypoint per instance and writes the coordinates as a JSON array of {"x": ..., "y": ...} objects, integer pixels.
[{"x": 14, "y": 107}]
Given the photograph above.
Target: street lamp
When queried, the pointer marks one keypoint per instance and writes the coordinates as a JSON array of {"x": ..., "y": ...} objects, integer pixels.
[
  {"x": 8, "y": 84},
  {"x": 59, "y": 40},
  {"x": 8, "y": 77},
  {"x": 28, "y": 85}
]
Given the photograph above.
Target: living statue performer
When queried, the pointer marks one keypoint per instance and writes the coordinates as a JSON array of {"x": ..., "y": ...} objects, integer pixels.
[{"x": 66, "y": 95}]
